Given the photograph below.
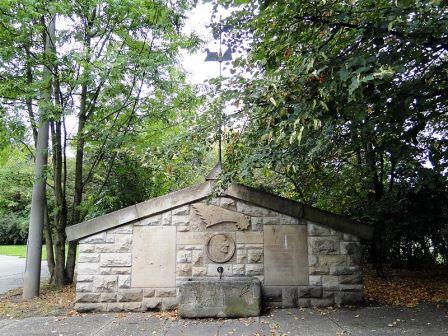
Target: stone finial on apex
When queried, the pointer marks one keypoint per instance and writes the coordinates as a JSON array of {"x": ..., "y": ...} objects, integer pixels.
[{"x": 214, "y": 173}]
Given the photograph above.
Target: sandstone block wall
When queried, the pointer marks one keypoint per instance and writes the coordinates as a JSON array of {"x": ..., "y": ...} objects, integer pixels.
[{"x": 104, "y": 271}]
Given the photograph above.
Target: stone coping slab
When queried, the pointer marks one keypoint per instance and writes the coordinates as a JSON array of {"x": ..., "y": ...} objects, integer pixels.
[{"x": 206, "y": 189}]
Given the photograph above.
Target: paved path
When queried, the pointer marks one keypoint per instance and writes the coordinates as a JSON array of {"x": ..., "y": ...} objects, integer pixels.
[
  {"x": 425, "y": 320},
  {"x": 11, "y": 272}
]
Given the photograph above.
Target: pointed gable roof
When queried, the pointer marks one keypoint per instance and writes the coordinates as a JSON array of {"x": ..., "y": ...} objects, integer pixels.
[{"x": 202, "y": 191}]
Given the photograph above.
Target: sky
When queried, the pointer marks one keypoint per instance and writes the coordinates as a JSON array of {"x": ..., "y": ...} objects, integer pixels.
[{"x": 198, "y": 70}]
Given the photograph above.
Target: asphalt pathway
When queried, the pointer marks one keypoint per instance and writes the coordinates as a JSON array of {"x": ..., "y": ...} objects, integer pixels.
[
  {"x": 11, "y": 272},
  {"x": 423, "y": 320}
]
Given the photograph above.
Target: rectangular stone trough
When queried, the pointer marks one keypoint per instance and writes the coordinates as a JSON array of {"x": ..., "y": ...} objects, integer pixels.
[{"x": 214, "y": 297}]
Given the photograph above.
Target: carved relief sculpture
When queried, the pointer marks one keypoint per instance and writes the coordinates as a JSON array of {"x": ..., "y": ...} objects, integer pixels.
[
  {"x": 220, "y": 248},
  {"x": 213, "y": 215}
]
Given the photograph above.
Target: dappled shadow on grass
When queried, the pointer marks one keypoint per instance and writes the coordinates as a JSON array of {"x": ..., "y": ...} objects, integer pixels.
[
  {"x": 52, "y": 302},
  {"x": 406, "y": 288}
]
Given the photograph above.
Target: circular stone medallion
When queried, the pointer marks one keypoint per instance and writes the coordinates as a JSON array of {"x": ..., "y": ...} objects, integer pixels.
[{"x": 220, "y": 248}]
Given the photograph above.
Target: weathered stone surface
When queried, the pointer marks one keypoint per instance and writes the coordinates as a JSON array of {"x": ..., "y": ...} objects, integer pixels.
[
  {"x": 249, "y": 237},
  {"x": 350, "y": 248},
  {"x": 199, "y": 271},
  {"x": 108, "y": 297},
  {"x": 152, "y": 303},
  {"x": 272, "y": 293},
  {"x": 322, "y": 302},
  {"x": 256, "y": 223},
  {"x": 83, "y": 287},
  {"x": 184, "y": 270},
  {"x": 343, "y": 270},
  {"x": 105, "y": 283},
  {"x": 289, "y": 297},
  {"x": 153, "y": 220},
  {"x": 351, "y": 279},
  {"x": 254, "y": 256},
  {"x": 271, "y": 220},
  {"x": 166, "y": 292},
  {"x": 165, "y": 218},
  {"x": 124, "y": 281},
  {"x": 133, "y": 307},
  {"x": 237, "y": 297},
  {"x": 348, "y": 298},
  {"x": 180, "y": 220},
  {"x": 350, "y": 237},
  {"x": 319, "y": 270},
  {"x": 84, "y": 278},
  {"x": 148, "y": 292},
  {"x": 123, "y": 243},
  {"x": 309, "y": 292},
  {"x": 227, "y": 203},
  {"x": 94, "y": 239},
  {"x": 88, "y": 307},
  {"x": 212, "y": 270},
  {"x": 88, "y": 268},
  {"x": 317, "y": 230},
  {"x": 184, "y": 256},
  {"x": 330, "y": 282},
  {"x": 153, "y": 256},
  {"x": 181, "y": 211},
  {"x": 190, "y": 238},
  {"x": 253, "y": 269},
  {"x": 115, "y": 307},
  {"x": 86, "y": 248},
  {"x": 304, "y": 303},
  {"x": 312, "y": 260},
  {"x": 130, "y": 295},
  {"x": 253, "y": 246},
  {"x": 238, "y": 270},
  {"x": 89, "y": 258},
  {"x": 115, "y": 270},
  {"x": 241, "y": 256},
  {"x": 110, "y": 237},
  {"x": 332, "y": 260},
  {"x": 252, "y": 210},
  {"x": 351, "y": 288},
  {"x": 87, "y": 297},
  {"x": 315, "y": 280},
  {"x": 115, "y": 259},
  {"x": 323, "y": 245},
  {"x": 170, "y": 303},
  {"x": 183, "y": 228},
  {"x": 105, "y": 248},
  {"x": 285, "y": 255},
  {"x": 197, "y": 258},
  {"x": 122, "y": 229},
  {"x": 354, "y": 260},
  {"x": 190, "y": 247},
  {"x": 287, "y": 220}
]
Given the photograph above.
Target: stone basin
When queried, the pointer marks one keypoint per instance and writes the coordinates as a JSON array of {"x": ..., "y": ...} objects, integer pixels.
[{"x": 214, "y": 297}]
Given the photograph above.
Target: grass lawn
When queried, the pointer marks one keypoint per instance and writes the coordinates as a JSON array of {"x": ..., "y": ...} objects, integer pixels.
[{"x": 19, "y": 251}]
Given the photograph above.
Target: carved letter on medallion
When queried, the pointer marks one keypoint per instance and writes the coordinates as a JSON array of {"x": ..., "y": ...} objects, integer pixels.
[{"x": 220, "y": 248}]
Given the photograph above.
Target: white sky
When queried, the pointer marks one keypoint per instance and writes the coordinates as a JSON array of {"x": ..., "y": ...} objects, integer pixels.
[{"x": 198, "y": 21}]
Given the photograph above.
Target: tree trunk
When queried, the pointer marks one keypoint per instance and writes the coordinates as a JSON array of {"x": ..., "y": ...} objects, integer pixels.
[
  {"x": 60, "y": 216},
  {"x": 31, "y": 278},
  {"x": 48, "y": 244}
]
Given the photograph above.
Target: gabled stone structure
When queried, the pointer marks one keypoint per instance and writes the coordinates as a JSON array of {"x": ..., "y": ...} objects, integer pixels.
[{"x": 136, "y": 258}]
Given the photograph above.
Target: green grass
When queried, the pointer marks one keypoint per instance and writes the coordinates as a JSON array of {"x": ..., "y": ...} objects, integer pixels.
[{"x": 19, "y": 251}]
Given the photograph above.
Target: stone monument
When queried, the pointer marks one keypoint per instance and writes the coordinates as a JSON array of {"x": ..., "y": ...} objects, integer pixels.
[{"x": 165, "y": 253}]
